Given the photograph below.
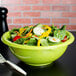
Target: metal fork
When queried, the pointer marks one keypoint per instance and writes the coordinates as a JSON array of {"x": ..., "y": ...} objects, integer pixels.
[{"x": 3, "y": 60}]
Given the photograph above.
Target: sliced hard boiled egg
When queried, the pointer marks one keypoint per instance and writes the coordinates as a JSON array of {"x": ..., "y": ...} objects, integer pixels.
[
  {"x": 53, "y": 39},
  {"x": 38, "y": 31}
]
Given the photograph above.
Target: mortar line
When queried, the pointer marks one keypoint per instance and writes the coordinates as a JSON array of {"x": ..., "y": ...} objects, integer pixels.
[{"x": 37, "y": 4}]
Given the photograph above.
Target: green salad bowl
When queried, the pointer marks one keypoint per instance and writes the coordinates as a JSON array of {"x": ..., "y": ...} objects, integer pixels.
[{"x": 37, "y": 55}]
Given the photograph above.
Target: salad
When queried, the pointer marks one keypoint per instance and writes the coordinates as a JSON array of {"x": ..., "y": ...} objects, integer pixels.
[{"x": 39, "y": 35}]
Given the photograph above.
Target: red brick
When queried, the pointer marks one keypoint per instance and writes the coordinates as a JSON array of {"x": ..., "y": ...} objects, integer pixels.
[
  {"x": 14, "y": 14},
  {"x": 73, "y": 20},
  {"x": 60, "y": 8},
  {"x": 51, "y": 14},
  {"x": 13, "y": 26},
  {"x": 71, "y": 27},
  {"x": 51, "y": 1},
  {"x": 31, "y": 14},
  {"x": 69, "y": 1},
  {"x": 21, "y": 21},
  {"x": 9, "y": 21},
  {"x": 60, "y": 20},
  {"x": 69, "y": 14},
  {"x": 27, "y": 25},
  {"x": 11, "y": 1},
  {"x": 18, "y": 8},
  {"x": 41, "y": 8},
  {"x": 73, "y": 8},
  {"x": 31, "y": 1},
  {"x": 41, "y": 20}
]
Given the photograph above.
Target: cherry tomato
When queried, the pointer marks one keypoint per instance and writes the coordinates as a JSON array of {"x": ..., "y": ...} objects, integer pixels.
[
  {"x": 36, "y": 36},
  {"x": 65, "y": 38},
  {"x": 16, "y": 38}
]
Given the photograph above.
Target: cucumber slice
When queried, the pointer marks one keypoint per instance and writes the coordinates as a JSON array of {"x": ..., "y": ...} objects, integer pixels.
[
  {"x": 53, "y": 39},
  {"x": 38, "y": 31}
]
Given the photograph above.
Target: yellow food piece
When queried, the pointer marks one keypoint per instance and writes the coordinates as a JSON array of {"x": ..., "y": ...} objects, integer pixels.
[
  {"x": 21, "y": 31},
  {"x": 26, "y": 41},
  {"x": 29, "y": 33},
  {"x": 17, "y": 33},
  {"x": 59, "y": 31},
  {"x": 45, "y": 34},
  {"x": 54, "y": 39},
  {"x": 38, "y": 44},
  {"x": 30, "y": 25}
]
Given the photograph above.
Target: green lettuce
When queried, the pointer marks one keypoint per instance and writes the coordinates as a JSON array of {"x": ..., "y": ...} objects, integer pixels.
[
  {"x": 27, "y": 30},
  {"x": 32, "y": 42},
  {"x": 20, "y": 41},
  {"x": 60, "y": 34},
  {"x": 44, "y": 42}
]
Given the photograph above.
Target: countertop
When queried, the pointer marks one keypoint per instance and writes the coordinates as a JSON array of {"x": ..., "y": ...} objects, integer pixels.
[{"x": 64, "y": 66}]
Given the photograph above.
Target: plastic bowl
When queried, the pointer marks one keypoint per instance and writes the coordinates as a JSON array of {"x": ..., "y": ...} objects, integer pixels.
[{"x": 37, "y": 55}]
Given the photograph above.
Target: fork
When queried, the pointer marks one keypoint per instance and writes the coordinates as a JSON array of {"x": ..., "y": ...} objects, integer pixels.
[{"x": 3, "y": 60}]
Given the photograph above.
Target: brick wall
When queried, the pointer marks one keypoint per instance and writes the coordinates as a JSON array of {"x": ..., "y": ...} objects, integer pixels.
[{"x": 31, "y": 12}]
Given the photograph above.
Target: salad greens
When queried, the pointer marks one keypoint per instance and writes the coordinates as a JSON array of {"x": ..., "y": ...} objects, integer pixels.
[
  {"x": 32, "y": 41},
  {"x": 39, "y": 35},
  {"x": 60, "y": 34},
  {"x": 20, "y": 41},
  {"x": 44, "y": 42}
]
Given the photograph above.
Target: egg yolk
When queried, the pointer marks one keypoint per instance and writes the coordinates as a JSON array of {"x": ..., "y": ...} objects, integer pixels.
[{"x": 54, "y": 39}]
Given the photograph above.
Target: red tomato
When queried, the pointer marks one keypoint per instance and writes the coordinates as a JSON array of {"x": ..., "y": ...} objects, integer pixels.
[
  {"x": 65, "y": 38},
  {"x": 31, "y": 37},
  {"x": 36, "y": 36},
  {"x": 16, "y": 38}
]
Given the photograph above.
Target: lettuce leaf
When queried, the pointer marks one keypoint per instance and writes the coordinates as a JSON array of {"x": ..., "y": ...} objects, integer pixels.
[
  {"x": 20, "y": 41},
  {"x": 32, "y": 42},
  {"x": 13, "y": 35},
  {"x": 44, "y": 42},
  {"x": 53, "y": 28},
  {"x": 63, "y": 27},
  {"x": 60, "y": 34},
  {"x": 13, "y": 30},
  {"x": 27, "y": 30}
]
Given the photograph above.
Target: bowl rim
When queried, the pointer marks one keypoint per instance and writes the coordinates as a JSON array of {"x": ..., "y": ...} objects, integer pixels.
[{"x": 5, "y": 40}]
